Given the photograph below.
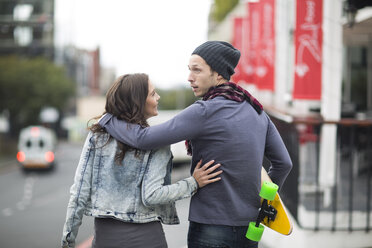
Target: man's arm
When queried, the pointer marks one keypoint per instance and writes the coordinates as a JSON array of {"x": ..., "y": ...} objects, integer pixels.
[
  {"x": 187, "y": 124},
  {"x": 276, "y": 152}
]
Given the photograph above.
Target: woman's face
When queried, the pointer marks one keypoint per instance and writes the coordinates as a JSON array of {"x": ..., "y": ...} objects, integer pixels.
[{"x": 151, "y": 106}]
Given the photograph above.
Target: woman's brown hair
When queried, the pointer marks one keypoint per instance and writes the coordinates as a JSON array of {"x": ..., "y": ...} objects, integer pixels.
[{"x": 126, "y": 100}]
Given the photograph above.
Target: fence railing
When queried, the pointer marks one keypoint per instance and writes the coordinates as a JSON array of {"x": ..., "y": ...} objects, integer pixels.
[{"x": 344, "y": 203}]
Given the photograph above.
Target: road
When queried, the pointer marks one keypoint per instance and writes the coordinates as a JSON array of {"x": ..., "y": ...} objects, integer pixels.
[{"x": 33, "y": 205}]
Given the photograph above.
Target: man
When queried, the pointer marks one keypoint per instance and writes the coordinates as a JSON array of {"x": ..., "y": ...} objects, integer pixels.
[{"x": 228, "y": 126}]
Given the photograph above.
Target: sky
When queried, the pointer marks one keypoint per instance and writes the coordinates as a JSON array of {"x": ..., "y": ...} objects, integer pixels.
[{"x": 156, "y": 37}]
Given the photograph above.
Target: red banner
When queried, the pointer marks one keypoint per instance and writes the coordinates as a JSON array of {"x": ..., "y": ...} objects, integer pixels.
[
  {"x": 308, "y": 46},
  {"x": 265, "y": 64},
  {"x": 238, "y": 44},
  {"x": 246, "y": 67},
  {"x": 253, "y": 40}
]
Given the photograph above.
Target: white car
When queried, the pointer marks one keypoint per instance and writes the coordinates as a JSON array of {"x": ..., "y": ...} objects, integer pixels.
[{"x": 36, "y": 147}]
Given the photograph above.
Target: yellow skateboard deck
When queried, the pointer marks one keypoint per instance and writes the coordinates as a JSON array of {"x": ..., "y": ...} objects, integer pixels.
[{"x": 282, "y": 223}]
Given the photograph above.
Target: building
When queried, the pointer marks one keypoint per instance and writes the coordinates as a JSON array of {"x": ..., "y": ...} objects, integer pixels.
[
  {"x": 27, "y": 28},
  {"x": 83, "y": 66},
  {"x": 310, "y": 63},
  {"x": 92, "y": 82}
]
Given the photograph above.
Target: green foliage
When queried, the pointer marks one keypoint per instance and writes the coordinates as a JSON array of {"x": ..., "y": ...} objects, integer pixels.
[
  {"x": 28, "y": 85},
  {"x": 222, "y": 8},
  {"x": 175, "y": 98}
]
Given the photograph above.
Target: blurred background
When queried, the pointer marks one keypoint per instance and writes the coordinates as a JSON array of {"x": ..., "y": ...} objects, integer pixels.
[{"x": 309, "y": 62}]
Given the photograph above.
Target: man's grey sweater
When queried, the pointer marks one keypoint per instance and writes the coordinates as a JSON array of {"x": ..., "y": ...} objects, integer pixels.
[{"x": 231, "y": 133}]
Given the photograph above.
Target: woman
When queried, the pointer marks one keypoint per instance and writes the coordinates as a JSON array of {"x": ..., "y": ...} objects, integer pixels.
[{"x": 128, "y": 191}]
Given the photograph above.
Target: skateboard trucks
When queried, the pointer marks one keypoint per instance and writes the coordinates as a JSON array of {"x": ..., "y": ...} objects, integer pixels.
[
  {"x": 267, "y": 193},
  {"x": 266, "y": 210}
]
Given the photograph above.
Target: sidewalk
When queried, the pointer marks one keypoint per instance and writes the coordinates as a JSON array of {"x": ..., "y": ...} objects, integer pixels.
[
  {"x": 7, "y": 161},
  {"x": 8, "y": 152}
]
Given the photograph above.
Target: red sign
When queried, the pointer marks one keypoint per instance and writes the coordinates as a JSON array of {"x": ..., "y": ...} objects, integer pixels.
[
  {"x": 253, "y": 40},
  {"x": 265, "y": 64},
  {"x": 238, "y": 44},
  {"x": 246, "y": 67},
  {"x": 308, "y": 46}
]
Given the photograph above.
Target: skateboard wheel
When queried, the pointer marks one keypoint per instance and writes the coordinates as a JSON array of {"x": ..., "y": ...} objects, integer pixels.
[
  {"x": 268, "y": 190},
  {"x": 254, "y": 233}
]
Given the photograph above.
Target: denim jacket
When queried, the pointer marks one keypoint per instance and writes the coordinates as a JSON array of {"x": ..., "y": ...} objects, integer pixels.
[{"x": 139, "y": 190}]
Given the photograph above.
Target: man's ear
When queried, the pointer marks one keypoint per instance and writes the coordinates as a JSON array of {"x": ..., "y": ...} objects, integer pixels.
[{"x": 221, "y": 79}]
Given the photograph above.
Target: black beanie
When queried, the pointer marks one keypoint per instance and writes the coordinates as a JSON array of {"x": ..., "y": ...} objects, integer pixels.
[{"x": 221, "y": 56}]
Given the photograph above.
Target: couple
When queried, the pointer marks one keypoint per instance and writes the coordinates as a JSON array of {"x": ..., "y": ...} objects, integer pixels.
[{"x": 125, "y": 183}]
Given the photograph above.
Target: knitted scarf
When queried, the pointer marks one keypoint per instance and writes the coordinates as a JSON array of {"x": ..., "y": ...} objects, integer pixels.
[{"x": 229, "y": 91}]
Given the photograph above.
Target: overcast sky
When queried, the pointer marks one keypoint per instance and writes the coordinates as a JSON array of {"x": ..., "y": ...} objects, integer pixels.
[{"x": 151, "y": 36}]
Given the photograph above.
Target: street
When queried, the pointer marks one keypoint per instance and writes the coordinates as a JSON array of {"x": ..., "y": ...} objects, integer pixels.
[{"x": 33, "y": 205}]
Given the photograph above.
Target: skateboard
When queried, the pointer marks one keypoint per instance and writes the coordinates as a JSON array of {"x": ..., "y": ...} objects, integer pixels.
[{"x": 272, "y": 212}]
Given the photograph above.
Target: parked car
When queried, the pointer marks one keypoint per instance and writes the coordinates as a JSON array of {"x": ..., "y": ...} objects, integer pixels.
[{"x": 36, "y": 147}]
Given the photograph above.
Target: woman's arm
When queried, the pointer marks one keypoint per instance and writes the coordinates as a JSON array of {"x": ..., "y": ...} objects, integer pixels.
[
  {"x": 188, "y": 124},
  {"x": 79, "y": 194},
  {"x": 156, "y": 187}
]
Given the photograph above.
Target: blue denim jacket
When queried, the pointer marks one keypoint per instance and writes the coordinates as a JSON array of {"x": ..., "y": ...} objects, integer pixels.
[{"x": 138, "y": 191}]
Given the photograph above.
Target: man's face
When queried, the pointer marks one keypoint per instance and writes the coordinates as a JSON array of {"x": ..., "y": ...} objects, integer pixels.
[{"x": 201, "y": 77}]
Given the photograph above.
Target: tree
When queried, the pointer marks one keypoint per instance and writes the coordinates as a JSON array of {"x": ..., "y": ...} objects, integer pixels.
[
  {"x": 28, "y": 85},
  {"x": 178, "y": 98},
  {"x": 221, "y": 8}
]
